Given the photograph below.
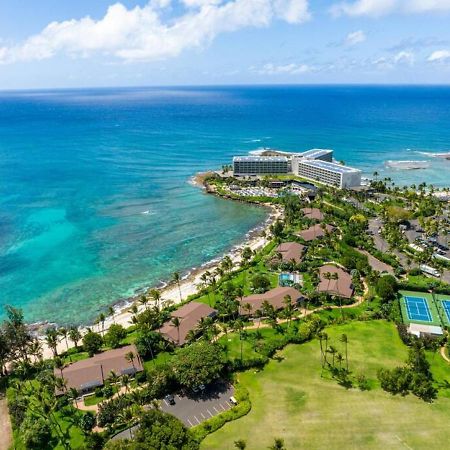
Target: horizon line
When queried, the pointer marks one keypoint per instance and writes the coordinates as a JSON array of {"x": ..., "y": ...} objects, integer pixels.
[{"x": 234, "y": 85}]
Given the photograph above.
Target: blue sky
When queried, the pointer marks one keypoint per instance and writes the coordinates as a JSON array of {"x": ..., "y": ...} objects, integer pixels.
[{"x": 81, "y": 43}]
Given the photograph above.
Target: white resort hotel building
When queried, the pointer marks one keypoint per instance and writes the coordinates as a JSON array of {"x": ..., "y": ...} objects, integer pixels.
[{"x": 315, "y": 165}]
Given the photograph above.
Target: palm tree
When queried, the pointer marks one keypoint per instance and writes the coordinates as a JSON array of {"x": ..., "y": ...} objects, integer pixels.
[
  {"x": 59, "y": 364},
  {"x": 176, "y": 322},
  {"x": 247, "y": 307},
  {"x": 143, "y": 300},
  {"x": 332, "y": 351},
  {"x": 240, "y": 444},
  {"x": 112, "y": 313},
  {"x": 344, "y": 339},
  {"x": 113, "y": 377},
  {"x": 51, "y": 338},
  {"x": 63, "y": 332},
  {"x": 339, "y": 359},
  {"x": 130, "y": 356},
  {"x": 74, "y": 336},
  {"x": 176, "y": 278},
  {"x": 35, "y": 349},
  {"x": 156, "y": 295},
  {"x": 73, "y": 395},
  {"x": 101, "y": 320},
  {"x": 238, "y": 325},
  {"x": 125, "y": 382},
  {"x": 288, "y": 308}
]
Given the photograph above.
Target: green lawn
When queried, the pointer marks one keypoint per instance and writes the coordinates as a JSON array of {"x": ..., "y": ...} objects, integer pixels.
[{"x": 292, "y": 401}]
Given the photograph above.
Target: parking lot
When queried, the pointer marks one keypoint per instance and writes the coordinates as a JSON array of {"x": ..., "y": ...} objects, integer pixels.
[{"x": 193, "y": 409}]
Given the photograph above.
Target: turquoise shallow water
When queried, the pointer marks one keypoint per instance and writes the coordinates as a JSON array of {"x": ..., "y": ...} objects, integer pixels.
[{"x": 94, "y": 193}]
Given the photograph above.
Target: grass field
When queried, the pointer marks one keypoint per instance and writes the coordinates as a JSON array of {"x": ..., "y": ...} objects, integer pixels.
[{"x": 292, "y": 401}]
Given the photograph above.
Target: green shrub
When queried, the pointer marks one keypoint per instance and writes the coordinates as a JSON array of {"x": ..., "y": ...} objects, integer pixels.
[{"x": 211, "y": 425}]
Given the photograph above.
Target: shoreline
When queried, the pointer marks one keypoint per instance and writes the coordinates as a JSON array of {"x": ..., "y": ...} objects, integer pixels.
[{"x": 189, "y": 283}]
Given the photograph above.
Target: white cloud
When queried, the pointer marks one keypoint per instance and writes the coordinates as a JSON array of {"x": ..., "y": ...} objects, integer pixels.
[
  {"x": 377, "y": 8},
  {"x": 355, "y": 38},
  {"x": 439, "y": 56},
  {"x": 404, "y": 57},
  {"x": 139, "y": 33},
  {"x": 286, "y": 69},
  {"x": 364, "y": 8}
]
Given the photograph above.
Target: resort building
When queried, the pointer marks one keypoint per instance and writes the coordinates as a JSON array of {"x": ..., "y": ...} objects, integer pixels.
[
  {"x": 335, "y": 281},
  {"x": 189, "y": 316},
  {"x": 318, "y": 154},
  {"x": 328, "y": 173},
  {"x": 291, "y": 251},
  {"x": 422, "y": 330},
  {"x": 275, "y": 298},
  {"x": 88, "y": 374},
  {"x": 315, "y": 164},
  {"x": 261, "y": 165},
  {"x": 316, "y": 231},
  {"x": 313, "y": 214}
]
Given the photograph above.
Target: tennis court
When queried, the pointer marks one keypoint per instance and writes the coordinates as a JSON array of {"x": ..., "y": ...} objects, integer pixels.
[
  {"x": 446, "y": 306},
  {"x": 417, "y": 309}
]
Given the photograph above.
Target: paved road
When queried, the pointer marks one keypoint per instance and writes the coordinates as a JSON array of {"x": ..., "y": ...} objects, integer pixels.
[
  {"x": 382, "y": 245},
  {"x": 192, "y": 410}
]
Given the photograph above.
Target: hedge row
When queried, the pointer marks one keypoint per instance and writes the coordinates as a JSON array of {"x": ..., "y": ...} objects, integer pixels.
[{"x": 242, "y": 408}]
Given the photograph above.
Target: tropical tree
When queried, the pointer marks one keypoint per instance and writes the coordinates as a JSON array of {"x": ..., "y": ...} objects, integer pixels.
[
  {"x": 176, "y": 278},
  {"x": 344, "y": 340},
  {"x": 74, "y": 336},
  {"x": 240, "y": 444},
  {"x": 156, "y": 296},
  {"x": 51, "y": 338},
  {"x": 176, "y": 322},
  {"x": 130, "y": 357}
]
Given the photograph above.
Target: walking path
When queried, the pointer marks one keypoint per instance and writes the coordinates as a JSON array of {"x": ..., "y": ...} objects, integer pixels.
[
  {"x": 444, "y": 354},
  {"x": 5, "y": 425}
]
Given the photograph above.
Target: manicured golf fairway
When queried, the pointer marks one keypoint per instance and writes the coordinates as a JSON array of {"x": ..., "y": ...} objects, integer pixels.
[{"x": 290, "y": 400}]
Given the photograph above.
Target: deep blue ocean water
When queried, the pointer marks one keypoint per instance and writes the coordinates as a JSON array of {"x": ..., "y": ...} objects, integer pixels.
[{"x": 94, "y": 194}]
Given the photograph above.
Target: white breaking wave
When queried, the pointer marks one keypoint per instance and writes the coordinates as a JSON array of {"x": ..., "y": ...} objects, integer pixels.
[
  {"x": 407, "y": 165},
  {"x": 444, "y": 155}
]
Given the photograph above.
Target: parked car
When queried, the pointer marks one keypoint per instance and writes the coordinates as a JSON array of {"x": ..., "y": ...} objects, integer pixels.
[{"x": 170, "y": 399}]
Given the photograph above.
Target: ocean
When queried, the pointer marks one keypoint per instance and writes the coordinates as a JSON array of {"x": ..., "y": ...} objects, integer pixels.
[{"x": 95, "y": 198}]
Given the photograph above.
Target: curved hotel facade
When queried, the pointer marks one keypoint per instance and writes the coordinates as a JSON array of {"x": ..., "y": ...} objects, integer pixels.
[{"x": 315, "y": 165}]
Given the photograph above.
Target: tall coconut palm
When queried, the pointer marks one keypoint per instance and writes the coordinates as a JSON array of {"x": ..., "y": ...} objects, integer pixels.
[
  {"x": 74, "y": 336},
  {"x": 176, "y": 322},
  {"x": 125, "y": 382},
  {"x": 112, "y": 313},
  {"x": 344, "y": 339},
  {"x": 156, "y": 296},
  {"x": 73, "y": 395},
  {"x": 240, "y": 444},
  {"x": 51, "y": 338},
  {"x": 101, "y": 321},
  {"x": 176, "y": 278},
  {"x": 64, "y": 333},
  {"x": 130, "y": 356},
  {"x": 143, "y": 300}
]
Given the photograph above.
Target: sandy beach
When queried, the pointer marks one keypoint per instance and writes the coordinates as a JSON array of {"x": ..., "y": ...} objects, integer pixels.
[{"x": 255, "y": 239}]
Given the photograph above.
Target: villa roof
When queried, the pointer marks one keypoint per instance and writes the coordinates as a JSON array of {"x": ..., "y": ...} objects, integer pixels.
[
  {"x": 313, "y": 213},
  {"x": 314, "y": 232},
  {"x": 92, "y": 372},
  {"x": 291, "y": 251},
  {"x": 274, "y": 297},
  {"x": 343, "y": 286},
  {"x": 190, "y": 315}
]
